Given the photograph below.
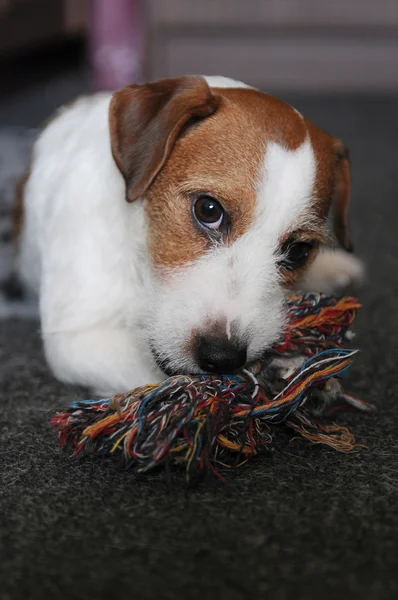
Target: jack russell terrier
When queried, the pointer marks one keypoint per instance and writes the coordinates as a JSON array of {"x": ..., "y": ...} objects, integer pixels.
[{"x": 163, "y": 226}]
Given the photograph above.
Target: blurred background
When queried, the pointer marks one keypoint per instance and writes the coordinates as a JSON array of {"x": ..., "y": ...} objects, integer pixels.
[
  {"x": 335, "y": 60},
  {"x": 54, "y": 49}
]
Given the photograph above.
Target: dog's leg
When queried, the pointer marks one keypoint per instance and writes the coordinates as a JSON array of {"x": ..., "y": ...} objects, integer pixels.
[
  {"x": 286, "y": 366},
  {"x": 105, "y": 360},
  {"x": 332, "y": 271}
]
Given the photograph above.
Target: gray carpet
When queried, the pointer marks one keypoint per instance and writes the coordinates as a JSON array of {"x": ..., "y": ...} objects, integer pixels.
[{"x": 306, "y": 522}]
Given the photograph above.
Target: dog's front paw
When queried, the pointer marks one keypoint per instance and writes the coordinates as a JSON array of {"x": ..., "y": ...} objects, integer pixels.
[
  {"x": 284, "y": 367},
  {"x": 332, "y": 271}
]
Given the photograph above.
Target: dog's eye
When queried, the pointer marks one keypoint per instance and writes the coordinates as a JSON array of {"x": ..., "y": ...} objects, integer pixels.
[
  {"x": 208, "y": 212},
  {"x": 295, "y": 254}
]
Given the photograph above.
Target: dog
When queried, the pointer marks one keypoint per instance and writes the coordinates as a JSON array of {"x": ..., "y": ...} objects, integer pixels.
[{"x": 164, "y": 224}]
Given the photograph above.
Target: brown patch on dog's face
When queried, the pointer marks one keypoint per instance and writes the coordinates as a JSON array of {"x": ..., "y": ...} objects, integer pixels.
[
  {"x": 333, "y": 182},
  {"x": 222, "y": 156},
  {"x": 176, "y": 139},
  {"x": 322, "y": 144}
]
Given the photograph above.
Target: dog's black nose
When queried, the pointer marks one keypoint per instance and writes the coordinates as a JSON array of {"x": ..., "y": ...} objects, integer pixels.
[{"x": 218, "y": 355}]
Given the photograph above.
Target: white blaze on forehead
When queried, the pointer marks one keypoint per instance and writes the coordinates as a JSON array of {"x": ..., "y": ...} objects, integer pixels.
[
  {"x": 285, "y": 189},
  {"x": 217, "y": 81}
]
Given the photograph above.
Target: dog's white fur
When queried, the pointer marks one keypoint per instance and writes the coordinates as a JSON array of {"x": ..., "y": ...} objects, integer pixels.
[{"x": 83, "y": 249}]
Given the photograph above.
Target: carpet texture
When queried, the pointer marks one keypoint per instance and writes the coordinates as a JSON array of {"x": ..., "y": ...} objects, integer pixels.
[{"x": 306, "y": 522}]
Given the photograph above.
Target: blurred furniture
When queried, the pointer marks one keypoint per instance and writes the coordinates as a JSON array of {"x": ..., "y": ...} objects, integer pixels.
[{"x": 281, "y": 44}]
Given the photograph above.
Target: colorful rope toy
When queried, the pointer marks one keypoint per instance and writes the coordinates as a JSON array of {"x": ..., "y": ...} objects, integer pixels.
[{"x": 207, "y": 422}]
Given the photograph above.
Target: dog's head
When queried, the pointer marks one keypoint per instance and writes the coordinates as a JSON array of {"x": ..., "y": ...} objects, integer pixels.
[{"x": 237, "y": 187}]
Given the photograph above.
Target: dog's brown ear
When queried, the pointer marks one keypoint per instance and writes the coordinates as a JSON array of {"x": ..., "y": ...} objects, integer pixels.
[
  {"x": 341, "y": 196},
  {"x": 145, "y": 121}
]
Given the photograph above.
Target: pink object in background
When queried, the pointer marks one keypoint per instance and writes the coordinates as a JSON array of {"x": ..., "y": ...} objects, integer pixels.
[{"x": 116, "y": 43}]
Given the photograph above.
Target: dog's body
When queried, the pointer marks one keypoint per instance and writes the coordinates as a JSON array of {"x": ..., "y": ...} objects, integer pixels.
[{"x": 158, "y": 280}]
